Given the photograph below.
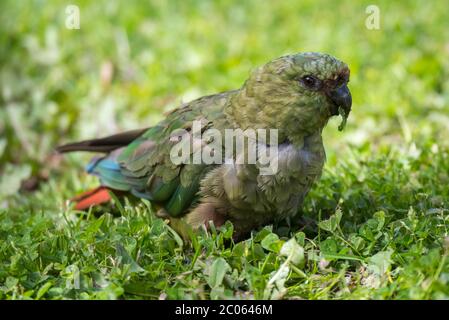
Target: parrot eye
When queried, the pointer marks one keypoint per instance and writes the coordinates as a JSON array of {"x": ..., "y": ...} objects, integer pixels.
[
  {"x": 310, "y": 82},
  {"x": 341, "y": 80}
]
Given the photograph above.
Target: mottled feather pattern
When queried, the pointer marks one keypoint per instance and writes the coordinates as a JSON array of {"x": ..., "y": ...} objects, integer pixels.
[{"x": 273, "y": 97}]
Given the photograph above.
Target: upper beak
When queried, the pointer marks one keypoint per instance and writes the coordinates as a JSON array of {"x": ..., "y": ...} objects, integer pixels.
[{"x": 342, "y": 98}]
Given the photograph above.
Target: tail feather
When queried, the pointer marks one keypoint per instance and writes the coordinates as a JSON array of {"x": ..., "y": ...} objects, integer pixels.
[
  {"x": 91, "y": 198},
  {"x": 105, "y": 145}
]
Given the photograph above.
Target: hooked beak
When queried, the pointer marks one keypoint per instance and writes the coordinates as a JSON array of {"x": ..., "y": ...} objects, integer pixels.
[{"x": 341, "y": 97}]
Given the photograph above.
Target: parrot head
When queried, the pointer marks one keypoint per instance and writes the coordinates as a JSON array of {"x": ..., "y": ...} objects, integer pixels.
[
  {"x": 296, "y": 94},
  {"x": 324, "y": 78}
]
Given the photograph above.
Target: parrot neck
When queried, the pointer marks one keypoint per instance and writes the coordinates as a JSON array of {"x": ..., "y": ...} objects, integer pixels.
[{"x": 246, "y": 110}]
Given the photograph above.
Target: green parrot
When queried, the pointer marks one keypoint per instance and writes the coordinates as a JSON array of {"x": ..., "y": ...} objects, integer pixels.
[{"x": 295, "y": 94}]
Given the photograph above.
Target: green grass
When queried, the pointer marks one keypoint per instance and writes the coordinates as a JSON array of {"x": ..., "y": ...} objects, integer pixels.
[{"x": 374, "y": 227}]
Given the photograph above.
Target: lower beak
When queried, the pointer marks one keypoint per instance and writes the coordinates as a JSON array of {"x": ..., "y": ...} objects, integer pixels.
[{"x": 342, "y": 98}]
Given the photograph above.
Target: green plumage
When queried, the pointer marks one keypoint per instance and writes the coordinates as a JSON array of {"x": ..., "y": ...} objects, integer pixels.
[{"x": 295, "y": 94}]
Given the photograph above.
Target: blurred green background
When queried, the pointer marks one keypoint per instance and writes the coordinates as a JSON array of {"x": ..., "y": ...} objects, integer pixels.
[
  {"x": 384, "y": 186},
  {"x": 132, "y": 60}
]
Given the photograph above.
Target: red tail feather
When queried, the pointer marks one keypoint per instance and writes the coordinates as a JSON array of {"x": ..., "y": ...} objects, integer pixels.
[{"x": 92, "y": 198}]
